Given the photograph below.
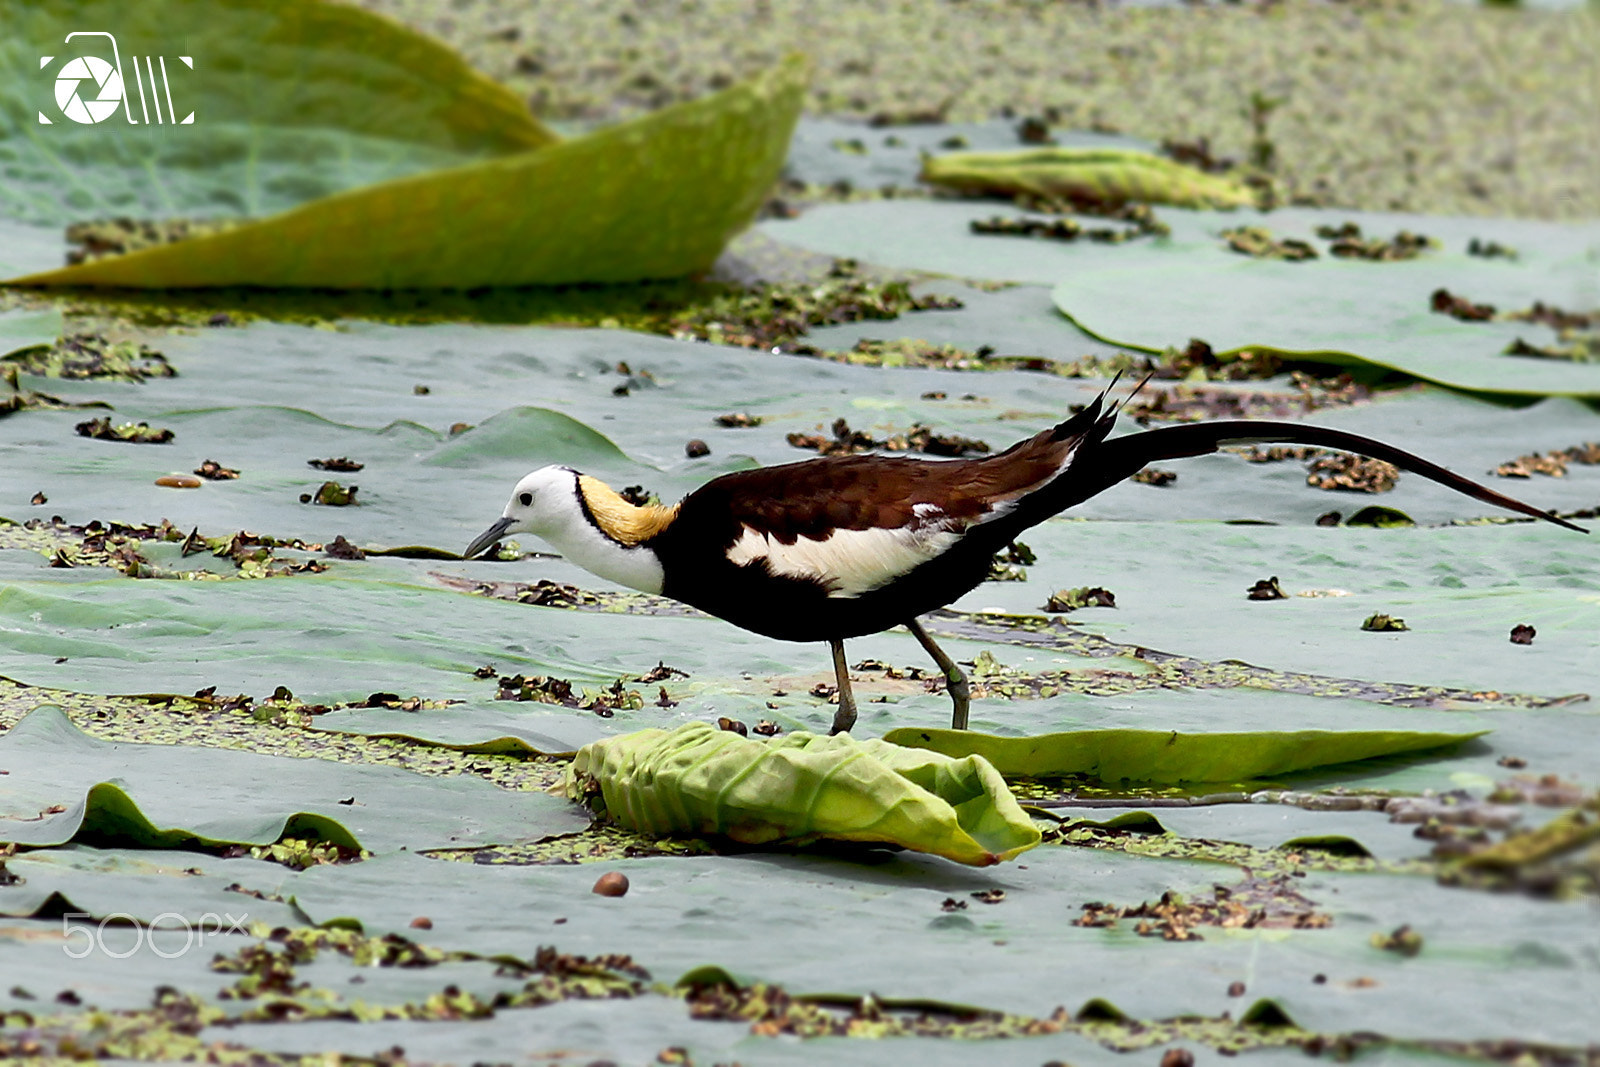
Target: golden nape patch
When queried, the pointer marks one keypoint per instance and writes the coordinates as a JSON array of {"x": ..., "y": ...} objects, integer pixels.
[{"x": 625, "y": 523}]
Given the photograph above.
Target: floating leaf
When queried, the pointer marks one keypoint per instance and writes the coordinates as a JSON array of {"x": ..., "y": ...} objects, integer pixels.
[
  {"x": 656, "y": 197},
  {"x": 1170, "y": 757},
  {"x": 700, "y": 779},
  {"x": 1096, "y": 175},
  {"x": 65, "y": 785}
]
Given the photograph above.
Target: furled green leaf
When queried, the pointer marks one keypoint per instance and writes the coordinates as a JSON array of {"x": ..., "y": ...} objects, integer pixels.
[
  {"x": 703, "y": 780},
  {"x": 657, "y": 197},
  {"x": 1170, "y": 757},
  {"x": 1103, "y": 175},
  {"x": 291, "y": 100}
]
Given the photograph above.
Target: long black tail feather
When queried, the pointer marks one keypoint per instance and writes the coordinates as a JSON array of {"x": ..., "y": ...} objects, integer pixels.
[{"x": 1097, "y": 469}]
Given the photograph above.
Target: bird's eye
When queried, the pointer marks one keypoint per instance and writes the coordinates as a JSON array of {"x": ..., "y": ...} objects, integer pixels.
[{"x": 526, "y": 499}]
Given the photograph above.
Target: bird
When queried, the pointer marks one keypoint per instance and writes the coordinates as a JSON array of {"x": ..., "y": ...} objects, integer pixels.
[{"x": 837, "y": 547}]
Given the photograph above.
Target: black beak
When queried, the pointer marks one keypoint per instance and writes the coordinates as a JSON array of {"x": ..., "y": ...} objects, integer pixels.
[{"x": 487, "y": 538}]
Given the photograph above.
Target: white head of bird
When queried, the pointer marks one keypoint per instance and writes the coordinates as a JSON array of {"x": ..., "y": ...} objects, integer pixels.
[{"x": 588, "y": 522}]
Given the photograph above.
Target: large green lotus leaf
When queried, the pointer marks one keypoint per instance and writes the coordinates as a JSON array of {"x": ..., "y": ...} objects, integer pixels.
[
  {"x": 1181, "y": 588},
  {"x": 25, "y": 329},
  {"x": 699, "y": 779},
  {"x": 1343, "y": 311},
  {"x": 935, "y": 236},
  {"x": 150, "y": 796},
  {"x": 1170, "y": 757},
  {"x": 291, "y": 101},
  {"x": 145, "y": 883},
  {"x": 1159, "y": 293},
  {"x": 630, "y": 1030},
  {"x": 882, "y": 929},
  {"x": 656, "y": 197},
  {"x": 271, "y": 380}
]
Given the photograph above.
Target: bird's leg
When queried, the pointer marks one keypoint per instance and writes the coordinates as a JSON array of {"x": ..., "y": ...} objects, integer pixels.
[
  {"x": 845, "y": 717},
  {"x": 955, "y": 680}
]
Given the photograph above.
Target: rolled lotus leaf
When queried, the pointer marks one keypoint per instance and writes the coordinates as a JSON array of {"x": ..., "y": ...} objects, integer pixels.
[
  {"x": 1100, "y": 175},
  {"x": 1168, "y": 757},
  {"x": 801, "y": 786},
  {"x": 656, "y": 197}
]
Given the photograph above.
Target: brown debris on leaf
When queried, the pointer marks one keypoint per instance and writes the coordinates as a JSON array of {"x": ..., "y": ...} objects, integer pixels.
[
  {"x": 1347, "y": 472},
  {"x": 738, "y": 420},
  {"x": 1063, "y": 600},
  {"x": 1444, "y": 302},
  {"x": 1192, "y": 403},
  {"x": 213, "y": 471},
  {"x": 331, "y": 495},
  {"x": 1404, "y": 940},
  {"x": 92, "y": 355},
  {"x": 99, "y": 238},
  {"x": 341, "y": 464},
  {"x": 1054, "y": 229},
  {"x": 661, "y": 673},
  {"x": 733, "y": 726},
  {"x": 138, "y": 433},
  {"x": 39, "y": 499},
  {"x": 1155, "y": 476},
  {"x": 1523, "y": 634},
  {"x": 1258, "y": 243},
  {"x": 1553, "y": 464},
  {"x": 1380, "y": 623},
  {"x": 1490, "y": 249},
  {"x": 1278, "y": 453},
  {"x": 638, "y": 496},
  {"x": 1348, "y": 243},
  {"x": 918, "y": 438},
  {"x": 1555, "y": 318},
  {"x": 339, "y": 548},
  {"x": 1253, "y": 904},
  {"x": 1267, "y": 589}
]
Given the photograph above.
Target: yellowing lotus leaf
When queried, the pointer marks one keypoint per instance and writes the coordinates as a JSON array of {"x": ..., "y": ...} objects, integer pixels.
[
  {"x": 801, "y": 786},
  {"x": 1102, "y": 175},
  {"x": 656, "y": 197}
]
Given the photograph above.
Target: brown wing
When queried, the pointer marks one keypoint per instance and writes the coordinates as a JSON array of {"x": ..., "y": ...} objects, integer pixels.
[{"x": 813, "y": 497}]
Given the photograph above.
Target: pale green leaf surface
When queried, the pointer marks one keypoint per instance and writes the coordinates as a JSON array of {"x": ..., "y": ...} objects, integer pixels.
[
  {"x": 146, "y": 794},
  {"x": 1170, "y": 757},
  {"x": 291, "y": 101},
  {"x": 699, "y": 779},
  {"x": 1152, "y": 294}
]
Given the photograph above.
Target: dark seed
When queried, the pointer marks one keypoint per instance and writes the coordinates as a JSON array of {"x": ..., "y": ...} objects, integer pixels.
[
  {"x": 696, "y": 448},
  {"x": 422, "y": 922},
  {"x": 1177, "y": 1057}
]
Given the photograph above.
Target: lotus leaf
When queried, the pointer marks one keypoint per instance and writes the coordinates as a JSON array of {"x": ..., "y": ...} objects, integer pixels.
[
  {"x": 291, "y": 101},
  {"x": 1102, "y": 175},
  {"x": 165, "y": 796},
  {"x": 653, "y": 198},
  {"x": 1170, "y": 757},
  {"x": 800, "y": 786}
]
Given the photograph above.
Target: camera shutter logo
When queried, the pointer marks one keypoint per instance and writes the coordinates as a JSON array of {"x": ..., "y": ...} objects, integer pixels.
[
  {"x": 90, "y": 90},
  {"x": 93, "y": 78}
]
